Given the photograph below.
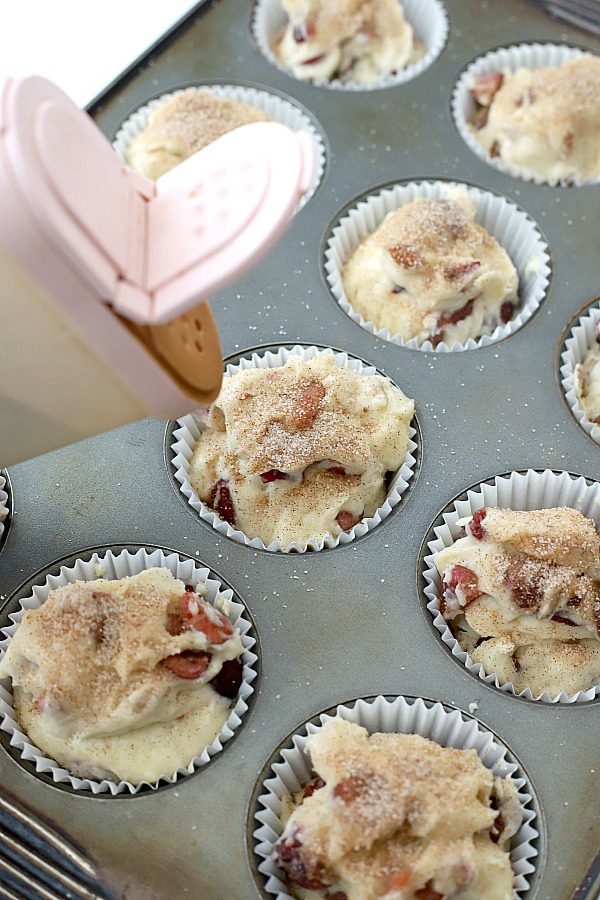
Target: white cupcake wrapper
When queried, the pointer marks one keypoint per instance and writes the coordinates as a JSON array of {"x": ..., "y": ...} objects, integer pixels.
[
  {"x": 509, "y": 225},
  {"x": 428, "y": 19},
  {"x": 406, "y": 716},
  {"x": 523, "y": 56},
  {"x": 3, "y": 503},
  {"x": 521, "y": 491},
  {"x": 283, "y": 111},
  {"x": 114, "y": 566},
  {"x": 576, "y": 349},
  {"x": 188, "y": 432}
]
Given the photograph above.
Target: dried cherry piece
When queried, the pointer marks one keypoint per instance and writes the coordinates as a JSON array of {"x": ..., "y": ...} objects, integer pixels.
[
  {"x": 460, "y": 577},
  {"x": 228, "y": 681},
  {"x": 308, "y": 403},
  {"x": 480, "y": 119},
  {"x": 427, "y": 893},
  {"x": 486, "y": 86},
  {"x": 475, "y": 527},
  {"x": 198, "y": 615},
  {"x": 347, "y": 520},
  {"x": 450, "y": 318},
  {"x": 315, "y": 785},
  {"x": 299, "y": 871},
  {"x": 273, "y": 475},
  {"x": 397, "y": 881},
  {"x": 221, "y": 502},
  {"x": 350, "y": 788},
  {"x": 562, "y": 620},
  {"x": 507, "y": 311},
  {"x": 459, "y": 273},
  {"x": 313, "y": 59},
  {"x": 525, "y": 583},
  {"x": 189, "y": 664}
]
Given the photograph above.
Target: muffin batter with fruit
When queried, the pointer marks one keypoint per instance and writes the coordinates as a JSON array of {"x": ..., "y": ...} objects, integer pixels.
[
  {"x": 300, "y": 451},
  {"x": 521, "y": 592},
  {"x": 398, "y": 816},
  {"x": 431, "y": 273},
  {"x": 544, "y": 121},
  {"x": 185, "y": 123},
  {"x": 124, "y": 679},
  {"x": 357, "y": 41}
]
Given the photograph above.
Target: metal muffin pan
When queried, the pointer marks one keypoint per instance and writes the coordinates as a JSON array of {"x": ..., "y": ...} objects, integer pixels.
[{"x": 347, "y": 622}]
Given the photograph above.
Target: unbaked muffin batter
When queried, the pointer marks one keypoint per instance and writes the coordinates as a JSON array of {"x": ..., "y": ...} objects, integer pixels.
[
  {"x": 184, "y": 124},
  {"x": 301, "y": 450},
  {"x": 521, "y": 592},
  {"x": 356, "y": 41},
  {"x": 398, "y": 816},
  {"x": 545, "y": 121},
  {"x": 111, "y": 678},
  {"x": 430, "y": 272}
]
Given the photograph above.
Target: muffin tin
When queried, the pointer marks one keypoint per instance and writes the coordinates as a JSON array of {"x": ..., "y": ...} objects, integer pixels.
[{"x": 351, "y": 621}]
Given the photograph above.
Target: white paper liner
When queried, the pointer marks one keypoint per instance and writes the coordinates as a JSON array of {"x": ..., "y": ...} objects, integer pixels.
[
  {"x": 523, "y": 56},
  {"x": 108, "y": 565},
  {"x": 514, "y": 230},
  {"x": 406, "y": 716},
  {"x": 3, "y": 501},
  {"x": 189, "y": 430},
  {"x": 428, "y": 19},
  {"x": 577, "y": 347},
  {"x": 283, "y": 111},
  {"x": 520, "y": 491}
]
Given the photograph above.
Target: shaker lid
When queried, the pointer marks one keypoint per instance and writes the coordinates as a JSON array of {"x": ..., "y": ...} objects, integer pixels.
[{"x": 150, "y": 249}]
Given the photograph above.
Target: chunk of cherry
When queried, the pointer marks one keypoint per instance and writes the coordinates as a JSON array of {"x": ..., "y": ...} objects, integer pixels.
[
  {"x": 221, "y": 502},
  {"x": 300, "y": 868},
  {"x": 347, "y": 520},
  {"x": 475, "y": 527}
]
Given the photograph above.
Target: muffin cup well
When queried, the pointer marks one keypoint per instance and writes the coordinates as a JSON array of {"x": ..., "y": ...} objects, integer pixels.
[
  {"x": 448, "y": 727},
  {"x": 281, "y": 110},
  {"x": 189, "y": 429},
  {"x": 577, "y": 346},
  {"x": 428, "y": 19},
  {"x": 520, "y": 491},
  {"x": 115, "y": 566},
  {"x": 509, "y": 225},
  {"x": 522, "y": 56}
]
